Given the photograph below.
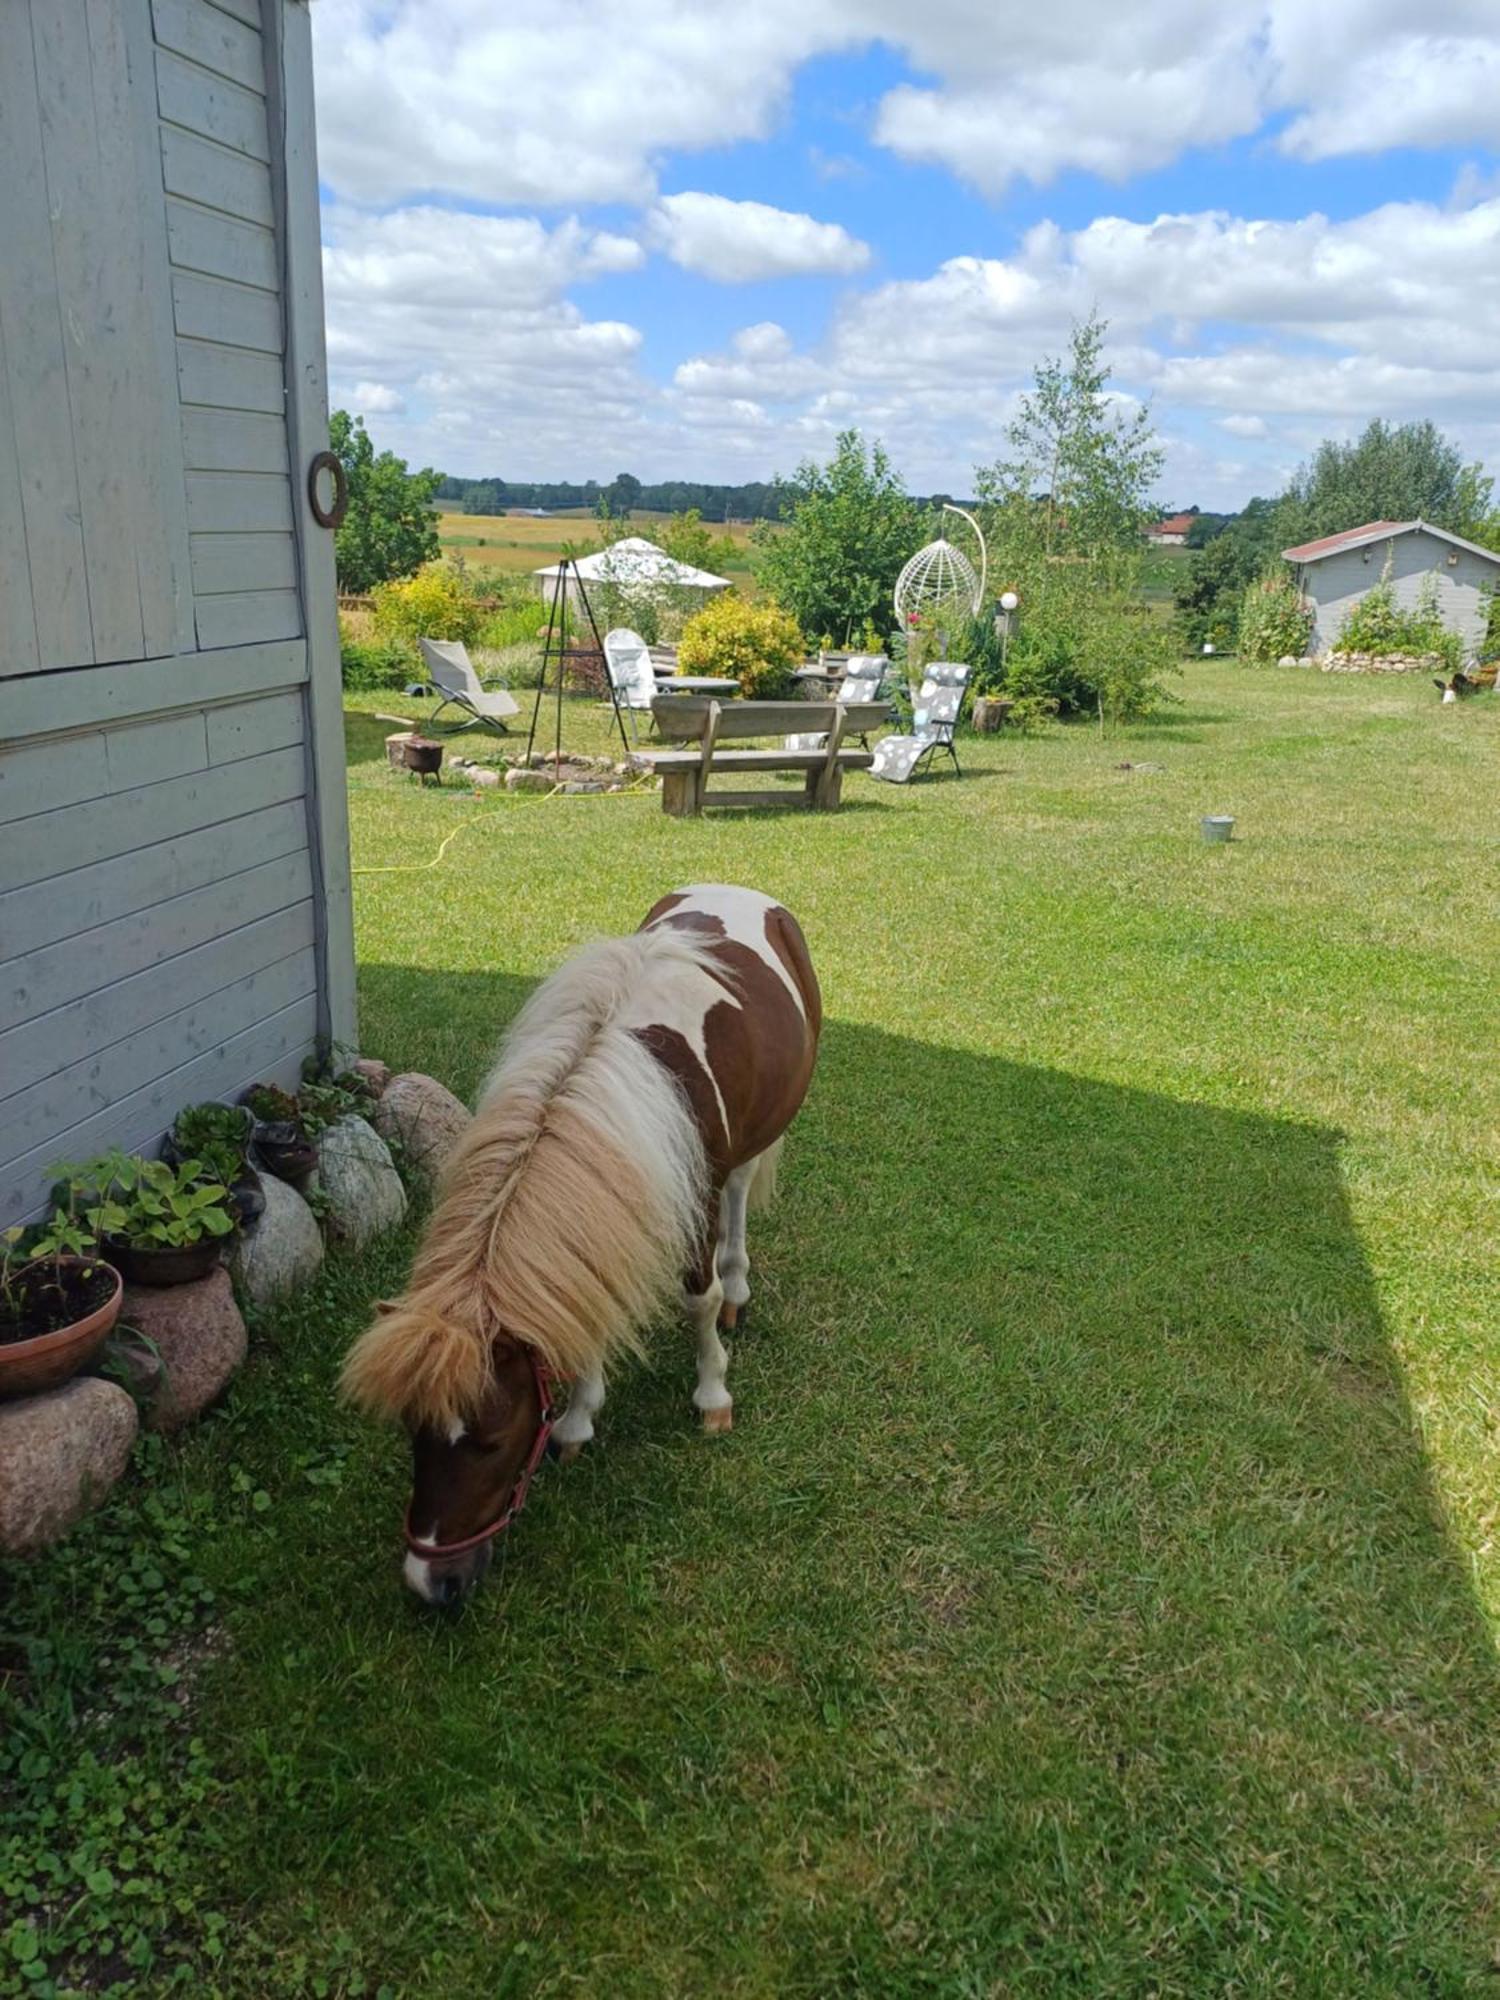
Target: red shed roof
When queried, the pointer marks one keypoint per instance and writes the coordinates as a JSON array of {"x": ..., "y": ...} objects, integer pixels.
[
  {"x": 1351, "y": 538},
  {"x": 1175, "y": 524}
]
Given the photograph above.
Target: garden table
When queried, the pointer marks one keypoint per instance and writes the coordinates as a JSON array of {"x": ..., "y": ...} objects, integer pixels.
[{"x": 695, "y": 684}]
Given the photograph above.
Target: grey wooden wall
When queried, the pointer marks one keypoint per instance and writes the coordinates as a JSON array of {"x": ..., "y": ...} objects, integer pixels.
[
  {"x": 1336, "y": 584},
  {"x": 173, "y": 861}
]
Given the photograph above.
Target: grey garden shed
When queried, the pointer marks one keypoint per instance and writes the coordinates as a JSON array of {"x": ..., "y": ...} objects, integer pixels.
[
  {"x": 174, "y": 872},
  {"x": 1334, "y": 573}
]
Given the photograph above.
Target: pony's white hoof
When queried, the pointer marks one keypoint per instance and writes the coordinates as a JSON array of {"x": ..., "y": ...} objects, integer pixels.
[{"x": 717, "y": 1421}]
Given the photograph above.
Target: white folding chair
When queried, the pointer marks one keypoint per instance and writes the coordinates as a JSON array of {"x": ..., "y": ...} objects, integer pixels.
[
  {"x": 627, "y": 661},
  {"x": 935, "y": 714},
  {"x": 451, "y": 672},
  {"x": 864, "y": 676}
]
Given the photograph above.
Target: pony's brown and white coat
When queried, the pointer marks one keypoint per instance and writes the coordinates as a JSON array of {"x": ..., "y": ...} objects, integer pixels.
[{"x": 645, "y": 1076}]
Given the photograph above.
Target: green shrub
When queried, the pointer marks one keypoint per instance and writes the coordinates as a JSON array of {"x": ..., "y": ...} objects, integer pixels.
[
  {"x": 375, "y": 663},
  {"x": 1088, "y": 653},
  {"x": 759, "y": 645},
  {"x": 514, "y": 625},
  {"x": 436, "y": 603},
  {"x": 1377, "y": 624},
  {"x": 1274, "y": 620}
]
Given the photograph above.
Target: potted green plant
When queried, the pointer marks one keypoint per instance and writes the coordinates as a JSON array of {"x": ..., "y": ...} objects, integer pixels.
[
  {"x": 161, "y": 1224},
  {"x": 59, "y": 1301},
  {"x": 219, "y": 1135},
  {"x": 282, "y": 1144}
]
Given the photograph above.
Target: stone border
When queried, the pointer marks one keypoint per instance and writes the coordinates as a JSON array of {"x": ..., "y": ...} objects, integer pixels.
[{"x": 62, "y": 1452}]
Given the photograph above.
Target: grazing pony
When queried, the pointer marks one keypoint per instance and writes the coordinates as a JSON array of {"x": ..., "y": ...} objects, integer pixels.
[{"x": 635, "y": 1114}]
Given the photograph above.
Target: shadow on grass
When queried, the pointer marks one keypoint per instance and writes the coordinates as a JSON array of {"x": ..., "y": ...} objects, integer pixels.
[{"x": 1076, "y": 1533}]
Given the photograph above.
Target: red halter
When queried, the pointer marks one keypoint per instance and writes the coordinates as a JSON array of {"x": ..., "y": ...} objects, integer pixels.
[{"x": 547, "y": 1385}]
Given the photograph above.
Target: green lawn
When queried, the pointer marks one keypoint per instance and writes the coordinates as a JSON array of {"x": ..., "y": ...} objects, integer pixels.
[{"x": 1096, "y": 1595}]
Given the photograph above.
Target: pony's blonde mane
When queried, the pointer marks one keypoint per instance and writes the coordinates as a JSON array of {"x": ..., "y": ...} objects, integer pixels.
[{"x": 568, "y": 1211}]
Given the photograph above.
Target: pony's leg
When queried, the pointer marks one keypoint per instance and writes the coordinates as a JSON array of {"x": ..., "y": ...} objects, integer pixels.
[
  {"x": 733, "y": 1258},
  {"x": 575, "y": 1426},
  {"x": 702, "y": 1295}
]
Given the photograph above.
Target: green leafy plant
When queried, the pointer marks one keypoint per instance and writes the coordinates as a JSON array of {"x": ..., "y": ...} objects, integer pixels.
[
  {"x": 1378, "y": 624},
  {"x": 271, "y": 1105},
  {"x": 147, "y": 1203},
  {"x": 216, "y": 1134},
  {"x": 368, "y": 664},
  {"x": 759, "y": 645},
  {"x": 1274, "y": 620}
]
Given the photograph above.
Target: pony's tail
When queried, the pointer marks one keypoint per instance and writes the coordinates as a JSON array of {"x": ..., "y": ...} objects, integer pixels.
[
  {"x": 763, "y": 1180},
  {"x": 415, "y": 1365}
]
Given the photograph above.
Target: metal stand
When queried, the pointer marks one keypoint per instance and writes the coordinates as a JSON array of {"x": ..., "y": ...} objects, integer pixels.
[{"x": 556, "y": 653}]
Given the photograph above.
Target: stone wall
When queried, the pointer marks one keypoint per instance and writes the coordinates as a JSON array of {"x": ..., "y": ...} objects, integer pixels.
[{"x": 1384, "y": 663}]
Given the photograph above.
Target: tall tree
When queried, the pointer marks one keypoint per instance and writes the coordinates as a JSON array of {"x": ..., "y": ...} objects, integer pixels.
[
  {"x": 1391, "y": 472},
  {"x": 623, "y": 493},
  {"x": 390, "y": 528},
  {"x": 1078, "y": 478},
  {"x": 847, "y": 528}
]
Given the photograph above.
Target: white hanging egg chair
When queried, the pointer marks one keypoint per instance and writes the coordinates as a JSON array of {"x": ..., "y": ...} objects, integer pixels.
[{"x": 940, "y": 579}]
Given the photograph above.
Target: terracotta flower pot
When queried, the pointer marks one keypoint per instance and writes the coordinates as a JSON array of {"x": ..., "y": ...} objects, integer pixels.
[{"x": 46, "y": 1361}]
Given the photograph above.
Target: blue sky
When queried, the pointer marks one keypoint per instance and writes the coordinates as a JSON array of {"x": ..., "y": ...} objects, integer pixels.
[{"x": 571, "y": 239}]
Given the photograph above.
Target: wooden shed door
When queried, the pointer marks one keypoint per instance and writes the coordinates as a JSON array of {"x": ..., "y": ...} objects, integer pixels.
[{"x": 93, "y": 534}]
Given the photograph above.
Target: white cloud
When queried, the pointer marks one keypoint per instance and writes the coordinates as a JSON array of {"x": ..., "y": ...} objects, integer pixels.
[
  {"x": 532, "y": 103},
  {"x": 1244, "y": 427},
  {"x": 739, "y": 241},
  {"x": 377, "y": 399}
]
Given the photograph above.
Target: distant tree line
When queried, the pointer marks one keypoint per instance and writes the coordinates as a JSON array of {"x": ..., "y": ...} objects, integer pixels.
[{"x": 760, "y": 500}]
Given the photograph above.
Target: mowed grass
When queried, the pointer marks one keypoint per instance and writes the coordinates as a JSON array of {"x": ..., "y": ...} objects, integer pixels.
[
  {"x": 524, "y": 542},
  {"x": 1096, "y": 1595}
]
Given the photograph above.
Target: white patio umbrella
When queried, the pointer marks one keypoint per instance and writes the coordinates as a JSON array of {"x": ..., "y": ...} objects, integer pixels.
[{"x": 636, "y": 564}]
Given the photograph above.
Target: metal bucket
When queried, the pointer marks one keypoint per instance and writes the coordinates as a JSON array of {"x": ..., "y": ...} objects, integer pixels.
[{"x": 1217, "y": 828}]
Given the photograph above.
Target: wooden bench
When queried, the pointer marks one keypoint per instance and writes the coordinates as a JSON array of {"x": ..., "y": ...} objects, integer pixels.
[{"x": 709, "y": 725}]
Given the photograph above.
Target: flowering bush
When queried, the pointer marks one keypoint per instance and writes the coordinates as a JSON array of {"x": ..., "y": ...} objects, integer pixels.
[
  {"x": 759, "y": 645},
  {"x": 1378, "y": 624},
  {"x": 433, "y": 604}
]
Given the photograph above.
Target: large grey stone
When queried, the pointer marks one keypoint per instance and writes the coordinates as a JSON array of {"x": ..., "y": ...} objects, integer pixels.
[
  {"x": 421, "y": 1116},
  {"x": 59, "y": 1455},
  {"x": 284, "y": 1250},
  {"x": 359, "y": 1181},
  {"x": 199, "y": 1333}
]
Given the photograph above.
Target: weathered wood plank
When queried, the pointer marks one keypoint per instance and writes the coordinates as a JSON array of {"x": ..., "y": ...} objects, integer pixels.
[
  {"x": 31, "y": 319},
  {"x": 215, "y": 177},
  {"x": 55, "y": 705},
  {"x": 243, "y": 562},
  {"x": 32, "y": 986},
  {"x": 18, "y": 653},
  {"x": 39, "y": 1047},
  {"x": 125, "y": 61},
  {"x": 104, "y": 1076},
  {"x": 233, "y": 441},
  {"x": 232, "y": 315},
  {"x": 229, "y": 378},
  {"x": 272, "y": 1047},
  {"x": 222, "y": 503},
  {"x": 241, "y": 617},
  {"x": 98, "y": 252},
  {"x": 242, "y": 10},
  {"x": 205, "y": 35},
  {"x": 46, "y": 912},
  {"x": 250, "y": 728},
  {"x": 45, "y": 777},
  {"x": 52, "y": 843},
  {"x": 289, "y": 99},
  {"x": 147, "y": 753},
  {"x": 220, "y": 246},
  {"x": 211, "y": 106}
]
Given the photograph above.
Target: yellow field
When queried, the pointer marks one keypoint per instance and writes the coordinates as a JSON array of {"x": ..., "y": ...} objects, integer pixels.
[{"x": 521, "y": 542}]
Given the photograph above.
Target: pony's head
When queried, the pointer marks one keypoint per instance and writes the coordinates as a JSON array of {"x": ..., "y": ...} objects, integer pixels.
[{"x": 478, "y": 1417}]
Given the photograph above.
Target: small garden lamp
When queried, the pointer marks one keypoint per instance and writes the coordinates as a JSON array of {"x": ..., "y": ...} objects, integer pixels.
[{"x": 1008, "y": 606}]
